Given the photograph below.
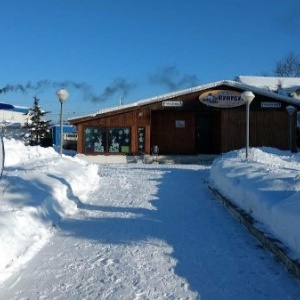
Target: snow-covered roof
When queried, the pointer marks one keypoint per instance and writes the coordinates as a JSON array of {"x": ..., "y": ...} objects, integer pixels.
[
  {"x": 230, "y": 83},
  {"x": 21, "y": 109},
  {"x": 290, "y": 84}
]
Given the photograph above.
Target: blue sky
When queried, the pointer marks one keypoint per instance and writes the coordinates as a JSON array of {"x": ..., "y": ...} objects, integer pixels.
[{"x": 103, "y": 50}]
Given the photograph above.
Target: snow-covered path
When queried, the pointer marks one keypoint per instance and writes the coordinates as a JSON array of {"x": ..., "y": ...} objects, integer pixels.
[{"x": 152, "y": 232}]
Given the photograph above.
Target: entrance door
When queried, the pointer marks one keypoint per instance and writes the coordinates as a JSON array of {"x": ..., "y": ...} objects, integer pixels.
[{"x": 204, "y": 134}]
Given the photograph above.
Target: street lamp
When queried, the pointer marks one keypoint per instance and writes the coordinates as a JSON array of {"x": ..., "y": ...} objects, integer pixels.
[
  {"x": 247, "y": 96},
  {"x": 290, "y": 109},
  {"x": 62, "y": 95}
]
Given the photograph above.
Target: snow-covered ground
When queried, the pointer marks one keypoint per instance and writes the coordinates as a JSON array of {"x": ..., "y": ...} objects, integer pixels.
[{"x": 70, "y": 229}]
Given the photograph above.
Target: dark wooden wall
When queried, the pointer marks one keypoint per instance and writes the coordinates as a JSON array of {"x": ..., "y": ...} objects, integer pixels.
[
  {"x": 267, "y": 128},
  {"x": 172, "y": 140},
  {"x": 232, "y": 130}
]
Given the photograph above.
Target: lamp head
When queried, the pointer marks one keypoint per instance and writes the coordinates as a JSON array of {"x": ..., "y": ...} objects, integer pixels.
[
  {"x": 62, "y": 95},
  {"x": 247, "y": 96},
  {"x": 290, "y": 109}
]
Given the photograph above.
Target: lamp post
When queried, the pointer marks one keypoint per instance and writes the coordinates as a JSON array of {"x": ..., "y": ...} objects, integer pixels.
[
  {"x": 247, "y": 96},
  {"x": 62, "y": 96},
  {"x": 290, "y": 109}
]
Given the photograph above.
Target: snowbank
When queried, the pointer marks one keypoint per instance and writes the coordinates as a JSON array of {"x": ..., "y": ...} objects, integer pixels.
[
  {"x": 37, "y": 189},
  {"x": 267, "y": 186}
]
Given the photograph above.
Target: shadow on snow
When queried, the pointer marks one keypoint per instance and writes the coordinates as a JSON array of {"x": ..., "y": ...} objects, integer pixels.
[{"x": 213, "y": 253}]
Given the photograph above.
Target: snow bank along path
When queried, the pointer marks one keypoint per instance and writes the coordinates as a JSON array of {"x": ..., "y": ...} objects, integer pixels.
[
  {"x": 151, "y": 232},
  {"x": 267, "y": 187}
]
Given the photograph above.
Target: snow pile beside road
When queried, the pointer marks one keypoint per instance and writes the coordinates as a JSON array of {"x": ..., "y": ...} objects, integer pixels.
[
  {"x": 267, "y": 186},
  {"x": 38, "y": 188}
]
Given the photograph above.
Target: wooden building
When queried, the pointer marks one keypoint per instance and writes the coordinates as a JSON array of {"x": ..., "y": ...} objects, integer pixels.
[{"x": 208, "y": 119}]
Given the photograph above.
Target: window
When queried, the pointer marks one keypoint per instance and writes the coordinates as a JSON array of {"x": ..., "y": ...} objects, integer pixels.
[
  {"x": 94, "y": 139},
  {"x": 141, "y": 140},
  {"x": 113, "y": 140},
  {"x": 119, "y": 140}
]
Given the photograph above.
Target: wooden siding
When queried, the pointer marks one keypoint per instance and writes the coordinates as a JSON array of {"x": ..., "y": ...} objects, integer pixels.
[
  {"x": 172, "y": 140},
  {"x": 267, "y": 128},
  {"x": 133, "y": 119},
  {"x": 232, "y": 130},
  {"x": 137, "y": 117}
]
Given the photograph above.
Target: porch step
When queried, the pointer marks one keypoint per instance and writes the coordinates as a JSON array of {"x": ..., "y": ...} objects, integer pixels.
[{"x": 180, "y": 159}]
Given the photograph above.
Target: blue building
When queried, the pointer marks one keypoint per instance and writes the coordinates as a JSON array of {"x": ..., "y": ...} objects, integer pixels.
[{"x": 69, "y": 136}]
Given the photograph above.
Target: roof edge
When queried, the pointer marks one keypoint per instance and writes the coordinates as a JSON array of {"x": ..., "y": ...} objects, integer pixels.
[{"x": 230, "y": 83}]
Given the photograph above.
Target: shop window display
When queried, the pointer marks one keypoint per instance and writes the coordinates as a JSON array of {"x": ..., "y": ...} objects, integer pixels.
[
  {"x": 113, "y": 140},
  {"x": 119, "y": 140},
  {"x": 94, "y": 139}
]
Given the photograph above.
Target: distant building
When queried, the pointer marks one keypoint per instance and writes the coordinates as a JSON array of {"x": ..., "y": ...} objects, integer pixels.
[
  {"x": 12, "y": 120},
  {"x": 17, "y": 115},
  {"x": 69, "y": 136}
]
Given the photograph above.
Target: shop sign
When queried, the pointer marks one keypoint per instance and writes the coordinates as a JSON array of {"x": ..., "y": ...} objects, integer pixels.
[
  {"x": 172, "y": 103},
  {"x": 222, "y": 98},
  {"x": 270, "y": 104}
]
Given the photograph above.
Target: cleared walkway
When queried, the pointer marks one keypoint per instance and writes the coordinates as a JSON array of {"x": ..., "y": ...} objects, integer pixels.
[{"x": 152, "y": 232}]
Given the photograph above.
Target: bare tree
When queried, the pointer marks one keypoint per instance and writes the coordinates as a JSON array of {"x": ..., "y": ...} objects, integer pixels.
[{"x": 288, "y": 67}]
